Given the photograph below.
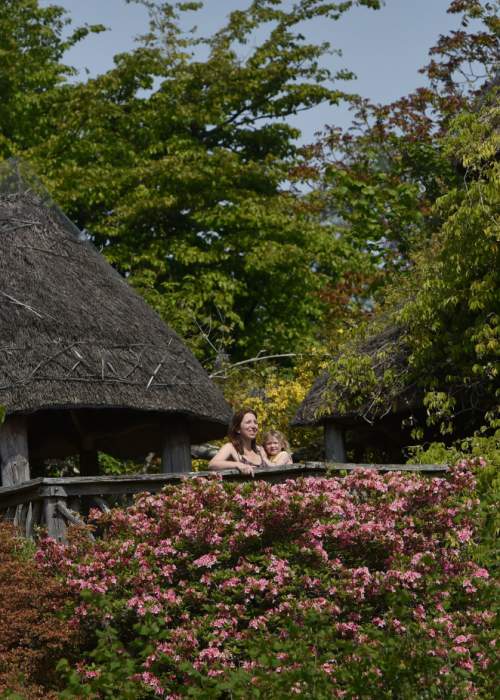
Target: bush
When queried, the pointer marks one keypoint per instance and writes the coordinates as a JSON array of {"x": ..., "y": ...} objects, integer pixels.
[
  {"x": 33, "y": 635},
  {"x": 485, "y": 443},
  {"x": 362, "y": 587}
]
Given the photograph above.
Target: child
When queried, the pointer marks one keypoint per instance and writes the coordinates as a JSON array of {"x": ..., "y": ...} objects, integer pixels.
[{"x": 276, "y": 448}]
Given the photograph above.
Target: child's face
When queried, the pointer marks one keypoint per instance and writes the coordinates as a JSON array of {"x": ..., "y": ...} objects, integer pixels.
[{"x": 272, "y": 446}]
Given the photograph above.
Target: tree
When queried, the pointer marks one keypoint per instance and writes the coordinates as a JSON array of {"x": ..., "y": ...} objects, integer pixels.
[
  {"x": 179, "y": 161},
  {"x": 32, "y": 47},
  {"x": 379, "y": 179},
  {"x": 447, "y": 306}
]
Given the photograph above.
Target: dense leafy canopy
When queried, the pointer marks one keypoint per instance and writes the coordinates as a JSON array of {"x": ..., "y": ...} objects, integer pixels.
[
  {"x": 179, "y": 160},
  {"x": 181, "y": 163},
  {"x": 447, "y": 309},
  {"x": 32, "y": 48},
  {"x": 418, "y": 180}
]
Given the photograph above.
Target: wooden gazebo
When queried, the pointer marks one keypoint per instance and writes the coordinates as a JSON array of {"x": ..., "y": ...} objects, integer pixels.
[
  {"x": 382, "y": 426},
  {"x": 85, "y": 365}
]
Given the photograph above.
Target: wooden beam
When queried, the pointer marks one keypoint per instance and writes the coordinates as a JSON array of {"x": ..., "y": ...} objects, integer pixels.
[
  {"x": 14, "y": 454},
  {"x": 176, "y": 453},
  {"x": 334, "y": 443}
]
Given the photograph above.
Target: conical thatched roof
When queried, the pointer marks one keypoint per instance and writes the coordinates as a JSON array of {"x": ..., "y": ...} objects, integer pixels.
[
  {"x": 78, "y": 347},
  {"x": 320, "y": 405}
]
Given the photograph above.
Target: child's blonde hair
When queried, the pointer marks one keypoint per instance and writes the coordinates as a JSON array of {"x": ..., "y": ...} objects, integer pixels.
[{"x": 279, "y": 436}]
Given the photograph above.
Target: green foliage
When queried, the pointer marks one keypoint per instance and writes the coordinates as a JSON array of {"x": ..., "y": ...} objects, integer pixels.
[
  {"x": 378, "y": 180},
  {"x": 438, "y": 331},
  {"x": 32, "y": 45},
  {"x": 2, "y": 414},
  {"x": 180, "y": 162}
]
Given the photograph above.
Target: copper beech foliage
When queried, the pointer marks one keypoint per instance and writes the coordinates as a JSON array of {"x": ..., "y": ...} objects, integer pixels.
[{"x": 33, "y": 634}]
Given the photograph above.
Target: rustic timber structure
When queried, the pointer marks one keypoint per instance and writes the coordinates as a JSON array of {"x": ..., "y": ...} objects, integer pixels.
[
  {"x": 85, "y": 364},
  {"x": 378, "y": 424},
  {"x": 57, "y": 502}
]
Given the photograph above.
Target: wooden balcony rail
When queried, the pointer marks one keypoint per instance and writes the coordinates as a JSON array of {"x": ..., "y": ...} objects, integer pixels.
[{"x": 55, "y": 503}]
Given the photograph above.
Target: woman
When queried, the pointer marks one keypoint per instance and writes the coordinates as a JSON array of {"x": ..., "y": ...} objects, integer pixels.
[
  {"x": 276, "y": 448},
  {"x": 241, "y": 452}
]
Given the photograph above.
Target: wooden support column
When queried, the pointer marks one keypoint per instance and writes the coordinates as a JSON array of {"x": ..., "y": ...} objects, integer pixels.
[
  {"x": 334, "y": 443},
  {"x": 33, "y": 518},
  {"x": 14, "y": 455},
  {"x": 176, "y": 454},
  {"x": 89, "y": 459}
]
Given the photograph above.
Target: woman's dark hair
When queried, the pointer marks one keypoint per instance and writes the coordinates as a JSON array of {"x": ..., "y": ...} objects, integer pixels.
[{"x": 233, "y": 432}]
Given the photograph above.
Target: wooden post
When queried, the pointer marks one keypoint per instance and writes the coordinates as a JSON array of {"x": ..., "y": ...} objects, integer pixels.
[
  {"x": 33, "y": 518},
  {"x": 54, "y": 520},
  {"x": 14, "y": 455},
  {"x": 334, "y": 443},
  {"x": 176, "y": 454}
]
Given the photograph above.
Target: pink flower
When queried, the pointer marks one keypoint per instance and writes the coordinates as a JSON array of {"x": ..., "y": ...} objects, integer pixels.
[
  {"x": 480, "y": 573},
  {"x": 466, "y": 664},
  {"x": 465, "y": 534},
  {"x": 207, "y": 560}
]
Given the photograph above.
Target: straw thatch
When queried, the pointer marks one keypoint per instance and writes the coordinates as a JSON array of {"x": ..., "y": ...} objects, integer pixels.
[
  {"x": 386, "y": 350},
  {"x": 80, "y": 352},
  {"x": 375, "y": 427}
]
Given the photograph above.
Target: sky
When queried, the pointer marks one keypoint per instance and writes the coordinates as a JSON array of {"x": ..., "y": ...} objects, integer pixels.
[{"x": 385, "y": 48}]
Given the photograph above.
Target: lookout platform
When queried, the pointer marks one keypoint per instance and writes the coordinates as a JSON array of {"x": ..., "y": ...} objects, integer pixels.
[{"x": 52, "y": 504}]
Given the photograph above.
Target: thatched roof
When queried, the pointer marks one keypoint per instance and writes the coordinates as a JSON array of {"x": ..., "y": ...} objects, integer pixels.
[
  {"x": 386, "y": 350},
  {"x": 75, "y": 336}
]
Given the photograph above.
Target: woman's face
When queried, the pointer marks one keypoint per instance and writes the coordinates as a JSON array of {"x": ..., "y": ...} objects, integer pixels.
[
  {"x": 272, "y": 446},
  {"x": 249, "y": 426}
]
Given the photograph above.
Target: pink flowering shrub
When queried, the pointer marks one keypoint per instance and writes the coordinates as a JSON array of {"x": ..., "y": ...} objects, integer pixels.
[{"x": 355, "y": 587}]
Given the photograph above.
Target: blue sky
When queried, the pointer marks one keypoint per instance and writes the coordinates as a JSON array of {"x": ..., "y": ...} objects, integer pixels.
[{"x": 384, "y": 48}]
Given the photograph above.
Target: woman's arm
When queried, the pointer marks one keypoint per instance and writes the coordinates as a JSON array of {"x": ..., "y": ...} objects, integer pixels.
[{"x": 226, "y": 458}]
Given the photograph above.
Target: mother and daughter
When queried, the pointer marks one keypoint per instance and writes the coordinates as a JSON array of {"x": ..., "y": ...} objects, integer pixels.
[{"x": 242, "y": 451}]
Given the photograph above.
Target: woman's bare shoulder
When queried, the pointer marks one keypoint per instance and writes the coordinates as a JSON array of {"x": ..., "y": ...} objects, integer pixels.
[{"x": 228, "y": 451}]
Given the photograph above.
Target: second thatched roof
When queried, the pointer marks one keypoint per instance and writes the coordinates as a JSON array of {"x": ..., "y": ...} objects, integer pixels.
[{"x": 328, "y": 399}]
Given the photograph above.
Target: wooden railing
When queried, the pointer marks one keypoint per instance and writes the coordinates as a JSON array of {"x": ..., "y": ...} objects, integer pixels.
[{"x": 54, "y": 503}]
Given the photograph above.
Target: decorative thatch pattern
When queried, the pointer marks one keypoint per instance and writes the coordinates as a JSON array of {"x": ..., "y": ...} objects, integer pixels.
[{"x": 74, "y": 334}]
